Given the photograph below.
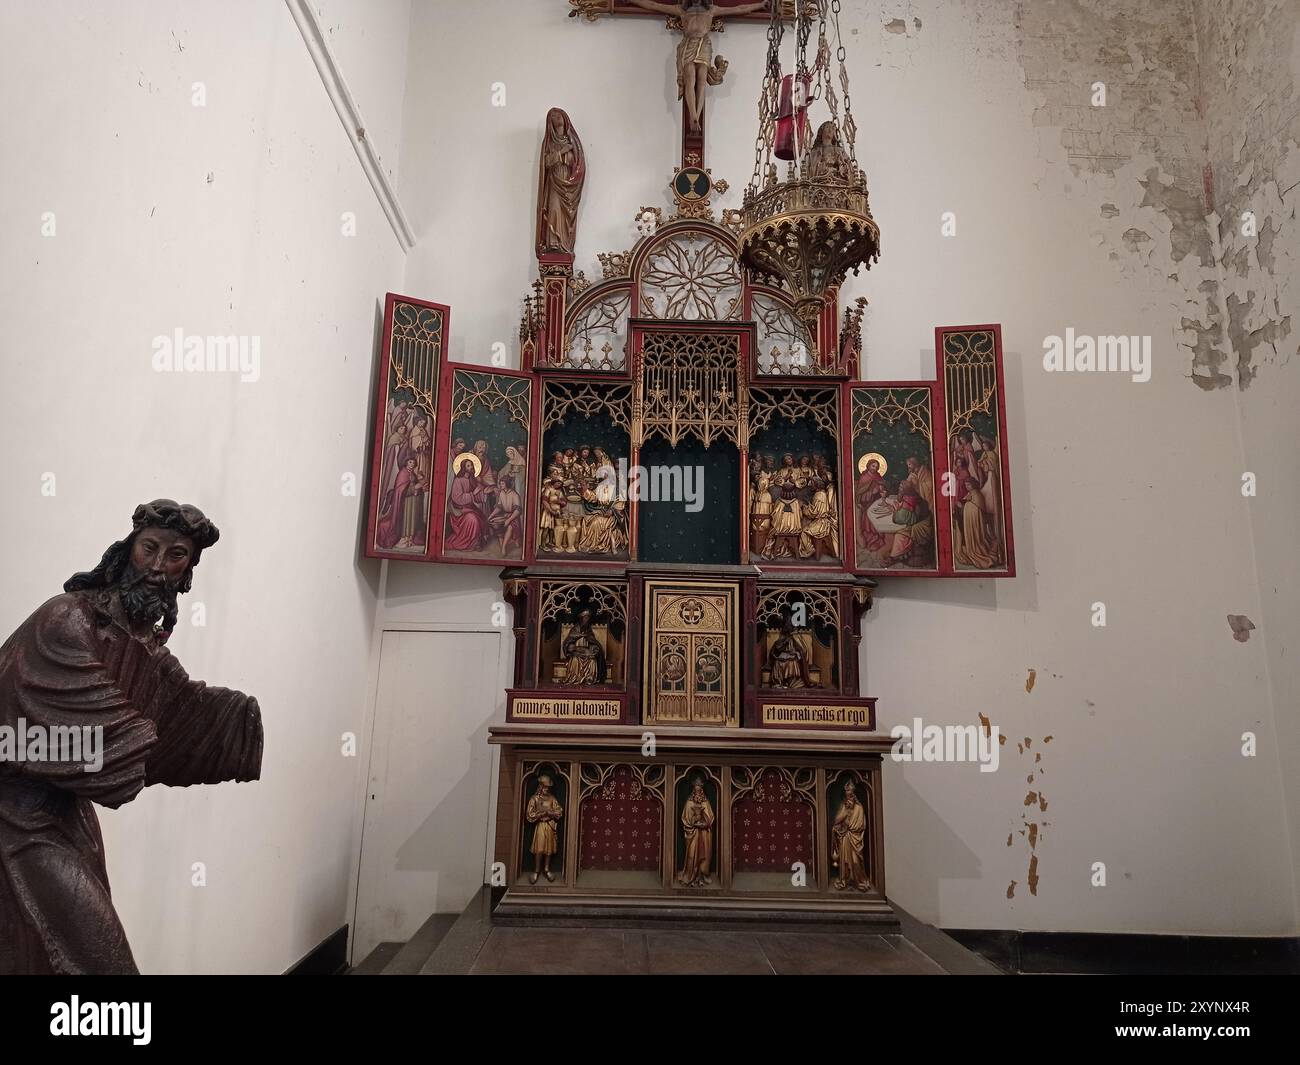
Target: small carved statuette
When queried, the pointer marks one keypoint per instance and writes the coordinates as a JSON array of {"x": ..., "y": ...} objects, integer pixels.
[
  {"x": 697, "y": 67},
  {"x": 848, "y": 836},
  {"x": 786, "y": 661},
  {"x": 544, "y": 814},
  {"x": 697, "y": 829}
]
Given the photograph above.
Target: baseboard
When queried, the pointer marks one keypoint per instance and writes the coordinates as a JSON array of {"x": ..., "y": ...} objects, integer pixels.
[
  {"x": 328, "y": 958},
  {"x": 1132, "y": 954}
]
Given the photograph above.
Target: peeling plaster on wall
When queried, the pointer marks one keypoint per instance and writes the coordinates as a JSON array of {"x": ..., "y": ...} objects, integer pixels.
[
  {"x": 1142, "y": 154},
  {"x": 899, "y": 28},
  {"x": 1250, "y": 53},
  {"x": 1032, "y": 831},
  {"x": 1147, "y": 62}
]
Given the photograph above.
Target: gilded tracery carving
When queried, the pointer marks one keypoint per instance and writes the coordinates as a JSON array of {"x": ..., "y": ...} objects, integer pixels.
[
  {"x": 794, "y": 404},
  {"x": 559, "y": 398},
  {"x": 415, "y": 353},
  {"x": 691, "y": 275},
  {"x": 890, "y": 406},
  {"x": 597, "y": 337},
  {"x": 691, "y": 387}
]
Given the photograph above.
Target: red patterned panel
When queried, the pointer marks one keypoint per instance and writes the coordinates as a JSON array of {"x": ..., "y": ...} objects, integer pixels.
[
  {"x": 771, "y": 827},
  {"x": 622, "y": 825}
]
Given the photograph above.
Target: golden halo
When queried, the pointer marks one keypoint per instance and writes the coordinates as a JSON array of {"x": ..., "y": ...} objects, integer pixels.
[
  {"x": 455, "y": 463},
  {"x": 862, "y": 462}
]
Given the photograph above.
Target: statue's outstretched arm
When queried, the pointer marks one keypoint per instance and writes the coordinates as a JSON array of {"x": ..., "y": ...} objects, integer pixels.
[{"x": 662, "y": 9}]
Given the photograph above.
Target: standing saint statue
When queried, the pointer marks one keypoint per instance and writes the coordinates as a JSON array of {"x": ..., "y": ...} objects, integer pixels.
[
  {"x": 562, "y": 173},
  {"x": 93, "y": 661},
  {"x": 697, "y": 68},
  {"x": 848, "y": 836},
  {"x": 544, "y": 813},
  {"x": 697, "y": 828}
]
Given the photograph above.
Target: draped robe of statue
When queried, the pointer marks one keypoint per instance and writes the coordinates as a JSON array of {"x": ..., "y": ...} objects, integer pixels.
[
  {"x": 543, "y": 812},
  {"x": 819, "y": 523},
  {"x": 787, "y": 666},
  {"x": 74, "y": 663},
  {"x": 697, "y": 828},
  {"x": 584, "y": 657},
  {"x": 563, "y": 171},
  {"x": 847, "y": 840}
]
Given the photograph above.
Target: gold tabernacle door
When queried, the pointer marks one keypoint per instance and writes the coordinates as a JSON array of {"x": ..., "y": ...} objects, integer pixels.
[{"x": 692, "y": 652}]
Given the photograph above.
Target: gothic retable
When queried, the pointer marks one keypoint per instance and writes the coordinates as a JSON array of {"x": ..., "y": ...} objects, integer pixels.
[{"x": 693, "y": 496}]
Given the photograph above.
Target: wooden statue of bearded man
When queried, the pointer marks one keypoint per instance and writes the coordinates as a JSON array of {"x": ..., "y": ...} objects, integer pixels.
[{"x": 92, "y": 662}]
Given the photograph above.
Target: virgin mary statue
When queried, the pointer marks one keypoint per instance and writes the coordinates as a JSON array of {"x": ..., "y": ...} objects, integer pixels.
[{"x": 562, "y": 172}]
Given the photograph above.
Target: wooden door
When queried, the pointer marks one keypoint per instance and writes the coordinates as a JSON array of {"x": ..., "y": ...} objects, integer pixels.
[{"x": 692, "y": 653}]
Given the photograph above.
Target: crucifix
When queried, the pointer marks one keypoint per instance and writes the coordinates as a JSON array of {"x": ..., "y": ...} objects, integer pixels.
[{"x": 697, "y": 65}]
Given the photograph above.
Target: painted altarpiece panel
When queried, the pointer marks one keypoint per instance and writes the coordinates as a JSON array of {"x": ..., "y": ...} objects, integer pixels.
[
  {"x": 401, "y": 520},
  {"x": 974, "y": 406},
  {"x": 896, "y": 501},
  {"x": 487, "y": 433}
]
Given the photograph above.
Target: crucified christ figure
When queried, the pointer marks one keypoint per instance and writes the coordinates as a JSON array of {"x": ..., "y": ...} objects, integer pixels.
[{"x": 696, "y": 66}]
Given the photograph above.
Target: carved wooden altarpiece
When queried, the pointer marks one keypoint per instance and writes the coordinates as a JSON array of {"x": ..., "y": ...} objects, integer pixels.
[{"x": 685, "y": 730}]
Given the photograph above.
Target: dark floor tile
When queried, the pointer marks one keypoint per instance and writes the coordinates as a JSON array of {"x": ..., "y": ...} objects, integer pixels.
[
  {"x": 544, "y": 951},
  {"x": 637, "y": 952},
  {"x": 706, "y": 953},
  {"x": 812, "y": 953}
]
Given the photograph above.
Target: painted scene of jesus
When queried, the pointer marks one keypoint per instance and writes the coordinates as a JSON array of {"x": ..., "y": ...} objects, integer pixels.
[{"x": 485, "y": 509}]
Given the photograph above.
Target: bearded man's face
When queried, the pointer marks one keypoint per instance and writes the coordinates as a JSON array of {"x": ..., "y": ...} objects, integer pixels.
[{"x": 159, "y": 560}]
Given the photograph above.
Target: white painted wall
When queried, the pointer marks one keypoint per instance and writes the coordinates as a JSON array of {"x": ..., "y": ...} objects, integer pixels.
[
  {"x": 1251, "y": 76},
  {"x": 222, "y": 220},
  {"x": 1124, "y": 493}
]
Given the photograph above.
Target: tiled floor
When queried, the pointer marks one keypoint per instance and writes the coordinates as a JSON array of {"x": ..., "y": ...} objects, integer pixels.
[
  {"x": 477, "y": 946},
  {"x": 542, "y": 951}
]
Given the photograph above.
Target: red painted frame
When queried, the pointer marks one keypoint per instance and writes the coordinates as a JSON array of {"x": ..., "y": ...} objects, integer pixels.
[
  {"x": 382, "y": 369},
  {"x": 1003, "y": 447}
]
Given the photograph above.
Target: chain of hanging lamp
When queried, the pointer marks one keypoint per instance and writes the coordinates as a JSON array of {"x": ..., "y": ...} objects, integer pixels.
[{"x": 806, "y": 231}]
